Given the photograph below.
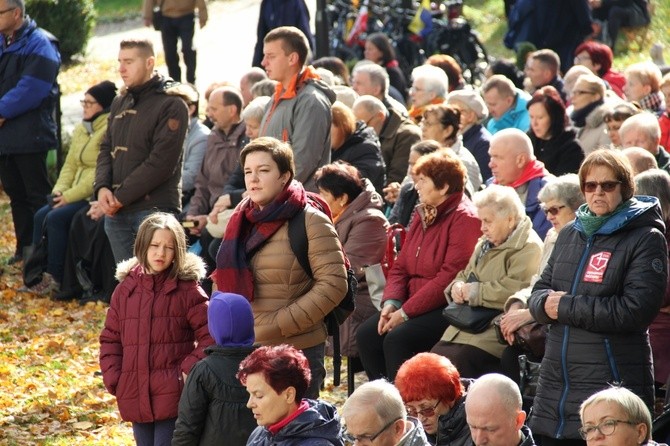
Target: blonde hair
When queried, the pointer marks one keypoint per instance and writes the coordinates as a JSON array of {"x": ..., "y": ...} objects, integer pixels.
[{"x": 647, "y": 73}]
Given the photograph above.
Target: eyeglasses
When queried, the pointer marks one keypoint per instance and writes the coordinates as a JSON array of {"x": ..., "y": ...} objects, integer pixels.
[
  {"x": 581, "y": 92},
  {"x": 87, "y": 103},
  {"x": 579, "y": 59},
  {"x": 552, "y": 210},
  {"x": 606, "y": 428},
  {"x": 424, "y": 123},
  {"x": 365, "y": 439},
  {"x": 425, "y": 413},
  {"x": 606, "y": 186},
  {"x": 7, "y": 10}
]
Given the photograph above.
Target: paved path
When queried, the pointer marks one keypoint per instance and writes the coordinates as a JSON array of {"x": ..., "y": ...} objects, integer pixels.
[{"x": 225, "y": 47}]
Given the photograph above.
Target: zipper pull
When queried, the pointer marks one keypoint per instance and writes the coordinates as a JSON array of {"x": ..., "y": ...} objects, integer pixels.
[{"x": 418, "y": 249}]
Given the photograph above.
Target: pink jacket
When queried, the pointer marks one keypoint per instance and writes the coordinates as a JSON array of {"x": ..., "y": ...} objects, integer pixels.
[{"x": 155, "y": 330}]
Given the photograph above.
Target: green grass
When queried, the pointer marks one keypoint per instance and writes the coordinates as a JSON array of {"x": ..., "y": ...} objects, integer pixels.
[{"x": 110, "y": 10}]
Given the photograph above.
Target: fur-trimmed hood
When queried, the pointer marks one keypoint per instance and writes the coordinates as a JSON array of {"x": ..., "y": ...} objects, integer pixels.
[
  {"x": 597, "y": 116},
  {"x": 194, "y": 268}
]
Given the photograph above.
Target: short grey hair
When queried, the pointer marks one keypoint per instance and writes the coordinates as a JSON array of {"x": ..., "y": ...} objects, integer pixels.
[
  {"x": 371, "y": 104},
  {"x": 506, "y": 389},
  {"x": 502, "y": 199},
  {"x": 19, "y": 4},
  {"x": 565, "y": 189},
  {"x": 266, "y": 87},
  {"x": 635, "y": 409},
  {"x": 255, "y": 109},
  {"x": 379, "y": 394},
  {"x": 645, "y": 122},
  {"x": 434, "y": 78},
  {"x": 640, "y": 159},
  {"x": 655, "y": 183},
  {"x": 378, "y": 75}
]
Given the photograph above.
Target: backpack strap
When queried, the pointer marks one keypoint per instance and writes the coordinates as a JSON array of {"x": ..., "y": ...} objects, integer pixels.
[{"x": 297, "y": 237}]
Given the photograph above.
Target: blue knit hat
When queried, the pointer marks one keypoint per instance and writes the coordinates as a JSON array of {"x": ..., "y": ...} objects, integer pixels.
[{"x": 230, "y": 320}]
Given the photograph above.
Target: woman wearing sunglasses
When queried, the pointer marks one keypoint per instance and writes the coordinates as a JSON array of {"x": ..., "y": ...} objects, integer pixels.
[
  {"x": 431, "y": 388},
  {"x": 602, "y": 287},
  {"x": 560, "y": 198}
]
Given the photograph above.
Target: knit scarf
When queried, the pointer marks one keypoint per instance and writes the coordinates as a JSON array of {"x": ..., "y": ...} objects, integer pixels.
[
  {"x": 534, "y": 169},
  {"x": 592, "y": 222},
  {"x": 416, "y": 113},
  {"x": 249, "y": 228},
  {"x": 578, "y": 117},
  {"x": 653, "y": 102}
]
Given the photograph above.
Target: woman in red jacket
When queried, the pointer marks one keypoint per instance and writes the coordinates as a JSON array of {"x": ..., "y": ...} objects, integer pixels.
[
  {"x": 440, "y": 240},
  {"x": 158, "y": 313}
]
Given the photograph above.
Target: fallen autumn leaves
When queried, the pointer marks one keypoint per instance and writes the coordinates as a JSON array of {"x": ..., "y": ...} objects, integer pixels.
[{"x": 51, "y": 392}]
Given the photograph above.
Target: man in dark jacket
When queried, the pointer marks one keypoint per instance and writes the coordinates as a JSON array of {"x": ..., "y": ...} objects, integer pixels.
[
  {"x": 213, "y": 403},
  {"x": 139, "y": 165},
  {"x": 494, "y": 414},
  {"x": 29, "y": 63},
  {"x": 396, "y": 134},
  {"x": 276, "y": 13}
]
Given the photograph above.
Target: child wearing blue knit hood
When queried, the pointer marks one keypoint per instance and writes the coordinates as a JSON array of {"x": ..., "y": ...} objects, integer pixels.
[{"x": 213, "y": 403}]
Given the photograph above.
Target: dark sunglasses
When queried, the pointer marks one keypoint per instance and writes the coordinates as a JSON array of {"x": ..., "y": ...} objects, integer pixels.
[
  {"x": 426, "y": 413},
  {"x": 552, "y": 210},
  {"x": 606, "y": 186}
]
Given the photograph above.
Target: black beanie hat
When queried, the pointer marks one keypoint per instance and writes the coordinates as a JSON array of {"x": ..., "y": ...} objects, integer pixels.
[{"x": 104, "y": 93}]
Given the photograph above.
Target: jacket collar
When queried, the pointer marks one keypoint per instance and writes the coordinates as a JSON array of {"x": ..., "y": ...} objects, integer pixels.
[{"x": 296, "y": 84}]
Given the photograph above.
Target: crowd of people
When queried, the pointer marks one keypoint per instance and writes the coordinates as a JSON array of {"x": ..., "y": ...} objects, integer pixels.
[{"x": 535, "y": 208}]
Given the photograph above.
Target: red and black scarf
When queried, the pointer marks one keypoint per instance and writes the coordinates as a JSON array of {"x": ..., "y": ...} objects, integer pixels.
[{"x": 249, "y": 228}]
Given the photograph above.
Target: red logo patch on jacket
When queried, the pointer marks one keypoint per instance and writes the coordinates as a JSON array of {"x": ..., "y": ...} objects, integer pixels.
[{"x": 595, "y": 269}]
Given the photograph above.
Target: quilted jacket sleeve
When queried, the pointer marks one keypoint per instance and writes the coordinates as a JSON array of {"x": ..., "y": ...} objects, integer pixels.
[{"x": 330, "y": 278}]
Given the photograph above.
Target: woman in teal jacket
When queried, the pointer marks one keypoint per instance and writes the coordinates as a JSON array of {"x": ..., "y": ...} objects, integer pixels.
[{"x": 74, "y": 186}]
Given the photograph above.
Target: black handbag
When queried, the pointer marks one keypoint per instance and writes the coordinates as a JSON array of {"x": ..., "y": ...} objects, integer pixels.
[
  {"x": 529, "y": 337},
  {"x": 157, "y": 18},
  {"x": 469, "y": 319}
]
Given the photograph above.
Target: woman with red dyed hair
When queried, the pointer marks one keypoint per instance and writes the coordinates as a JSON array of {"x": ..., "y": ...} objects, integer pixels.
[
  {"x": 598, "y": 58},
  {"x": 431, "y": 388},
  {"x": 277, "y": 378}
]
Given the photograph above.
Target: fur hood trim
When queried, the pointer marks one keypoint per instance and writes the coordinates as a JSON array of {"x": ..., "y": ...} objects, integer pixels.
[
  {"x": 597, "y": 116},
  {"x": 194, "y": 268}
]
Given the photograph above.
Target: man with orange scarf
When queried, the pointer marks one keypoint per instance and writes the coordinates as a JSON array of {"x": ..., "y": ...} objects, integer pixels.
[
  {"x": 430, "y": 85},
  {"x": 299, "y": 112},
  {"x": 513, "y": 164}
]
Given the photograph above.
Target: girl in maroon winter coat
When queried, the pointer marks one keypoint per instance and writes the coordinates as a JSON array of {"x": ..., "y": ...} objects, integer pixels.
[{"x": 155, "y": 330}]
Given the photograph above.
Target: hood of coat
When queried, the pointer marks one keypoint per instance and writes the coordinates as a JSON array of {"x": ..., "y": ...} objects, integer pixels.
[
  {"x": 643, "y": 211},
  {"x": 368, "y": 199},
  {"x": 416, "y": 436},
  {"x": 194, "y": 268},
  {"x": 362, "y": 134},
  {"x": 597, "y": 116},
  {"x": 321, "y": 85},
  {"x": 320, "y": 420},
  {"x": 453, "y": 426},
  {"x": 520, "y": 236}
]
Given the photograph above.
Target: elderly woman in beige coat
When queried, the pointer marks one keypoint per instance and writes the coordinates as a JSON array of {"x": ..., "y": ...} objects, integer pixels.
[
  {"x": 256, "y": 260},
  {"x": 503, "y": 262},
  {"x": 361, "y": 227}
]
